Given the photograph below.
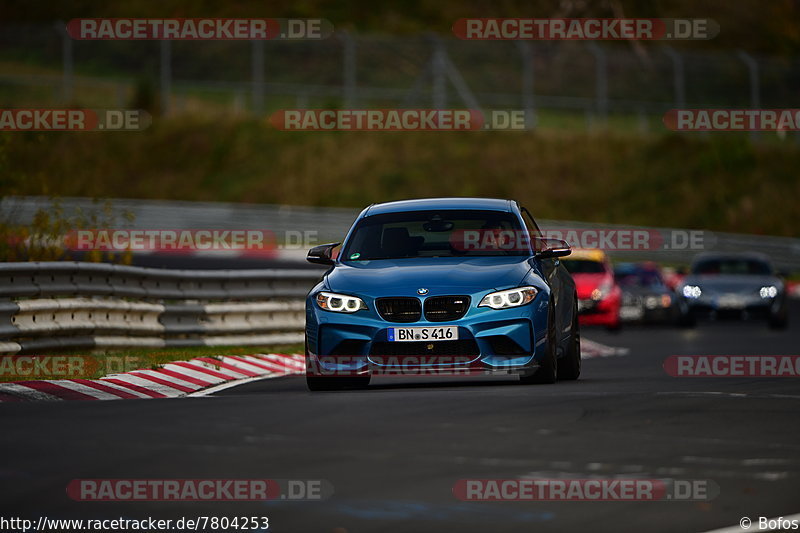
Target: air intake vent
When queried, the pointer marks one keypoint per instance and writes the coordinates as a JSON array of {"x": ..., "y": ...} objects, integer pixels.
[
  {"x": 444, "y": 308},
  {"x": 399, "y": 309}
]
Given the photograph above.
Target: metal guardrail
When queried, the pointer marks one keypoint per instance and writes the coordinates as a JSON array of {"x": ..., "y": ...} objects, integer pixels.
[
  {"x": 53, "y": 305},
  {"x": 331, "y": 224}
]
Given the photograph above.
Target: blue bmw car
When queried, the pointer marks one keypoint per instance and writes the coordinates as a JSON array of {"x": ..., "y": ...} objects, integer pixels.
[{"x": 446, "y": 286}]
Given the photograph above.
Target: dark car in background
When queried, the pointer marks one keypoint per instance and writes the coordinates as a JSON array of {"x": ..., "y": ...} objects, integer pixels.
[
  {"x": 733, "y": 285},
  {"x": 646, "y": 298}
]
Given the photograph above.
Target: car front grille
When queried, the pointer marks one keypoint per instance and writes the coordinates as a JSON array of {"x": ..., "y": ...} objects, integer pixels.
[
  {"x": 444, "y": 308},
  {"x": 630, "y": 299},
  {"x": 399, "y": 309}
]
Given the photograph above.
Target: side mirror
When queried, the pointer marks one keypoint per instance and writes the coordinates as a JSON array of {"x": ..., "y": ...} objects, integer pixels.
[
  {"x": 322, "y": 254},
  {"x": 551, "y": 248}
]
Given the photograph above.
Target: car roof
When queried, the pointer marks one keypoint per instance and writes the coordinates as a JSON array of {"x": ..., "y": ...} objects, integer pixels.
[{"x": 425, "y": 204}]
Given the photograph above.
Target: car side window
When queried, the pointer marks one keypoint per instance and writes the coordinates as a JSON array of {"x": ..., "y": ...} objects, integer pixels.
[{"x": 530, "y": 224}]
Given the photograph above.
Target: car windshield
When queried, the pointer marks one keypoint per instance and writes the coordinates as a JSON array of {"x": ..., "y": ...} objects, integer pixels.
[
  {"x": 732, "y": 266},
  {"x": 584, "y": 266},
  {"x": 641, "y": 278},
  {"x": 435, "y": 234}
]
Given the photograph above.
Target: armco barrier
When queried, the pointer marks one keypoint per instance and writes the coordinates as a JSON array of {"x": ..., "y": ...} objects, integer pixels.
[
  {"x": 53, "y": 305},
  {"x": 331, "y": 225}
]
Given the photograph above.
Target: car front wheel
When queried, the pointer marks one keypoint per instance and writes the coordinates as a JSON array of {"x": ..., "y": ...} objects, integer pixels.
[
  {"x": 569, "y": 367},
  {"x": 548, "y": 368}
]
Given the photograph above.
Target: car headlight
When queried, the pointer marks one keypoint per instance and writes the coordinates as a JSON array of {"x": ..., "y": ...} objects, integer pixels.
[
  {"x": 692, "y": 291},
  {"x": 602, "y": 291},
  {"x": 509, "y": 298},
  {"x": 339, "y": 303},
  {"x": 770, "y": 291}
]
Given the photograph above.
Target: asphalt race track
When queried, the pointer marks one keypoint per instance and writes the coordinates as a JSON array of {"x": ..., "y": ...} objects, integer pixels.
[{"x": 394, "y": 452}]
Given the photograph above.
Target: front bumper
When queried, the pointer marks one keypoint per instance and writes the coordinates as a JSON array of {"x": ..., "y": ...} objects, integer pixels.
[
  {"x": 732, "y": 305},
  {"x": 506, "y": 341}
]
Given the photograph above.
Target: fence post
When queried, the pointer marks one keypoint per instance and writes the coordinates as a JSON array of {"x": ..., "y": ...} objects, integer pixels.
[
  {"x": 644, "y": 123},
  {"x": 755, "y": 94},
  {"x": 678, "y": 77},
  {"x": 257, "y": 70},
  {"x": 67, "y": 63},
  {"x": 439, "y": 71},
  {"x": 528, "y": 101},
  {"x": 348, "y": 70},
  {"x": 166, "y": 75},
  {"x": 601, "y": 81}
]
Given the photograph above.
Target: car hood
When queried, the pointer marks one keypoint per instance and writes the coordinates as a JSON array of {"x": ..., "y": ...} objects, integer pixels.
[
  {"x": 440, "y": 275},
  {"x": 731, "y": 283}
]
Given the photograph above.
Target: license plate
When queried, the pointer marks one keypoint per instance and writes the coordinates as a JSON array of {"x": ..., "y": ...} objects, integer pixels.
[
  {"x": 631, "y": 313},
  {"x": 730, "y": 302},
  {"x": 443, "y": 333}
]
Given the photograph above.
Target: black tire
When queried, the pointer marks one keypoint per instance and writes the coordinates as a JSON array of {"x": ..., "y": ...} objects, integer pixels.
[
  {"x": 780, "y": 321},
  {"x": 569, "y": 367},
  {"x": 548, "y": 370},
  {"x": 687, "y": 321}
]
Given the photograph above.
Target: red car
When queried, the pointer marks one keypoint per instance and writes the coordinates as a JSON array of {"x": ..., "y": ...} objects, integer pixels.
[{"x": 599, "y": 296}]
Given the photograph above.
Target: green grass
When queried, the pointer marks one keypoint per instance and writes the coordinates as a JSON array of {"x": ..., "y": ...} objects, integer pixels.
[
  {"x": 98, "y": 363},
  {"x": 719, "y": 182}
]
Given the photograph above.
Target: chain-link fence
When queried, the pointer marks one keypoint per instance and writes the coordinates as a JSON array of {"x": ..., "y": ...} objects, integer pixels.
[{"x": 576, "y": 84}]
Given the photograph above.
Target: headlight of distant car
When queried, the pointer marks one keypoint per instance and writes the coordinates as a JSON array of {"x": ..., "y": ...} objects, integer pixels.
[
  {"x": 602, "y": 291},
  {"x": 770, "y": 291},
  {"x": 509, "y": 298},
  {"x": 692, "y": 291},
  {"x": 339, "y": 303}
]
